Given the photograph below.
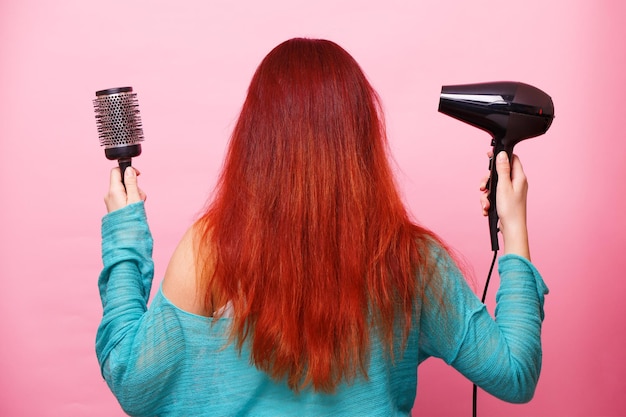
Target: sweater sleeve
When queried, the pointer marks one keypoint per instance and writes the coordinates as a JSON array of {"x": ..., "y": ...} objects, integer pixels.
[
  {"x": 126, "y": 277},
  {"x": 502, "y": 355},
  {"x": 135, "y": 363}
]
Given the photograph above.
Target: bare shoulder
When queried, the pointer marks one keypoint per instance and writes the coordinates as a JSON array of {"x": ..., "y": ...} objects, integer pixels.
[{"x": 180, "y": 281}]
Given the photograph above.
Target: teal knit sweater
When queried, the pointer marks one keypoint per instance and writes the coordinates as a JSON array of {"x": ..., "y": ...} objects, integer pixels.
[{"x": 163, "y": 361}]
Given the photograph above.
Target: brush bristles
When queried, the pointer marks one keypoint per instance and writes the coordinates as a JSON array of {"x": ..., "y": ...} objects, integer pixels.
[{"x": 118, "y": 119}]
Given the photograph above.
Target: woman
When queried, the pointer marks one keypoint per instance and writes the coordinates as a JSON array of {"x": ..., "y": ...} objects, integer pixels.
[{"x": 305, "y": 288}]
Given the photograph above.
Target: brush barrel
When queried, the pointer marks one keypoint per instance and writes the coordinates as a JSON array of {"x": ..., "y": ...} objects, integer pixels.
[{"x": 117, "y": 117}]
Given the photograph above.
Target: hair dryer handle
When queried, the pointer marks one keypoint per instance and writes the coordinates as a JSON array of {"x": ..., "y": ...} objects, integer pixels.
[{"x": 492, "y": 185}]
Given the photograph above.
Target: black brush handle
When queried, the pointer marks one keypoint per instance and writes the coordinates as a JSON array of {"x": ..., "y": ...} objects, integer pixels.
[
  {"x": 124, "y": 163},
  {"x": 124, "y": 155}
]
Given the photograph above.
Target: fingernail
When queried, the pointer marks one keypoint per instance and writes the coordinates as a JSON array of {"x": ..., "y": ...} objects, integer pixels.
[
  {"x": 502, "y": 156},
  {"x": 130, "y": 172}
]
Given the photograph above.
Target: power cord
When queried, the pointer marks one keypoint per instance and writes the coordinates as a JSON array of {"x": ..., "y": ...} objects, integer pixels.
[{"x": 474, "y": 387}]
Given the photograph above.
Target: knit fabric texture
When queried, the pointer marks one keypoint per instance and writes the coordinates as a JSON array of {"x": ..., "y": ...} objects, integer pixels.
[{"x": 163, "y": 361}]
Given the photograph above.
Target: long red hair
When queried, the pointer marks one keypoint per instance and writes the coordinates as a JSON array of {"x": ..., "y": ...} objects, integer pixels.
[{"x": 307, "y": 235}]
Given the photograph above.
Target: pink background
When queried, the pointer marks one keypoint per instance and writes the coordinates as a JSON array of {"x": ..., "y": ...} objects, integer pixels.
[{"x": 191, "y": 62}]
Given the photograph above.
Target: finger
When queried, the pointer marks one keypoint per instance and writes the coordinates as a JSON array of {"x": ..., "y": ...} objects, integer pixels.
[
  {"x": 484, "y": 202},
  {"x": 503, "y": 167},
  {"x": 517, "y": 170},
  {"x": 132, "y": 190},
  {"x": 116, "y": 194},
  {"x": 483, "y": 183},
  {"x": 115, "y": 180}
]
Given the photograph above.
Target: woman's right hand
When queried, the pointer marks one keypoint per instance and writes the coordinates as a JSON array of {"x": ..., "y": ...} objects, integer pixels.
[{"x": 511, "y": 198}]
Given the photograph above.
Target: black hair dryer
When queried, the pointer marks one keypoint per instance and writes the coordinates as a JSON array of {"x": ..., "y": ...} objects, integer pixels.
[{"x": 509, "y": 111}]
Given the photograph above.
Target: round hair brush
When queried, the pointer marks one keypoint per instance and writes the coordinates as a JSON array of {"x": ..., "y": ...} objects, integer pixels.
[{"x": 119, "y": 125}]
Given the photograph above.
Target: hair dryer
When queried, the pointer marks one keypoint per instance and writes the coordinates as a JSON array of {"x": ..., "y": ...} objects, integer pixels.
[{"x": 509, "y": 111}]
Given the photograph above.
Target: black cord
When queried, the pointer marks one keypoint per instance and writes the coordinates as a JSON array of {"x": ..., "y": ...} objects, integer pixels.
[
  {"x": 493, "y": 262},
  {"x": 474, "y": 387}
]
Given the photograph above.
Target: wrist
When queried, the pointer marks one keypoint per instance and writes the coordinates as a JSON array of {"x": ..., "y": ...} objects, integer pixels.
[{"x": 516, "y": 241}]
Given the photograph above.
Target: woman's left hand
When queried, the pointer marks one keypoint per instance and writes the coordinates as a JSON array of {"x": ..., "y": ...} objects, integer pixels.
[{"x": 119, "y": 196}]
